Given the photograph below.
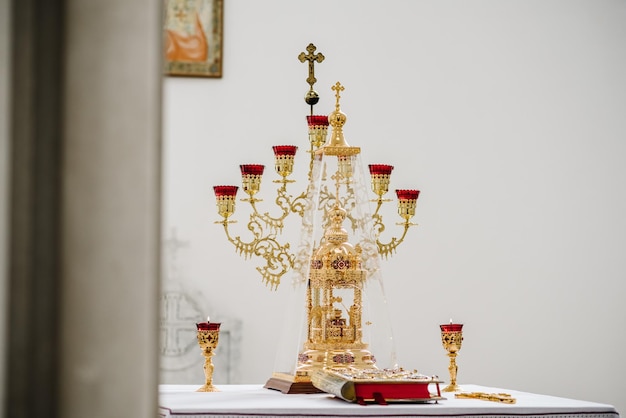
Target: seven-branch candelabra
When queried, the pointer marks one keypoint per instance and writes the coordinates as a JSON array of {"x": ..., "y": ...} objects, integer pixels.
[{"x": 265, "y": 230}]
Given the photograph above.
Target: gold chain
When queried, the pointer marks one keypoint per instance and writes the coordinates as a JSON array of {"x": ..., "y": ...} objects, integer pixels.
[{"x": 494, "y": 397}]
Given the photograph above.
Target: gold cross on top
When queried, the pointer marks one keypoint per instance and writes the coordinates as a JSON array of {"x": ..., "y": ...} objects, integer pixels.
[
  {"x": 338, "y": 88},
  {"x": 311, "y": 58}
]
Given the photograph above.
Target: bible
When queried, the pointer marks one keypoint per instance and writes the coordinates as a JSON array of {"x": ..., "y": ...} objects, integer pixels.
[{"x": 380, "y": 386}]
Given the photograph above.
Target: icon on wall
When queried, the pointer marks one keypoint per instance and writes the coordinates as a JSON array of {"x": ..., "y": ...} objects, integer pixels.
[{"x": 193, "y": 38}]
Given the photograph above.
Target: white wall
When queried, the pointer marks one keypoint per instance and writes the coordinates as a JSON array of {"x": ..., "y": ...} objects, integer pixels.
[{"x": 509, "y": 116}]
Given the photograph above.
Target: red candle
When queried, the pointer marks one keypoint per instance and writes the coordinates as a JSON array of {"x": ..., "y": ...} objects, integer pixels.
[
  {"x": 451, "y": 327},
  {"x": 208, "y": 326}
]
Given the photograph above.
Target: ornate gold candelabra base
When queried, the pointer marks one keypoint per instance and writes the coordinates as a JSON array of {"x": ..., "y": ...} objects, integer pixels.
[{"x": 208, "y": 336}]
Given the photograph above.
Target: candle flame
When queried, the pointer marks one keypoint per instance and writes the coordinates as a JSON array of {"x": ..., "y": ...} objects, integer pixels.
[
  {"x": 208, "y": 319},
  {"x": 450, "y": 320}
]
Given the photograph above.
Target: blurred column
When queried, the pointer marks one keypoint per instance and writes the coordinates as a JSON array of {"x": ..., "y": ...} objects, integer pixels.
[
  {"x": 111, "y": 208},
  {"x": 85, "y": 209}
]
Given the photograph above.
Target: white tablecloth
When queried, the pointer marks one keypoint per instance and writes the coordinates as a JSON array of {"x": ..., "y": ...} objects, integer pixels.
[{"x": 243, "y": 401}]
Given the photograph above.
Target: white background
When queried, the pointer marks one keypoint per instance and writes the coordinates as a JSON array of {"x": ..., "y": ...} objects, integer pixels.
[{"x": 509, "y": 116}]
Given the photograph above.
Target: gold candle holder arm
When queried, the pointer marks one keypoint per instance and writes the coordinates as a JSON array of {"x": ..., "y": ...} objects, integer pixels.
[
  {"x": 274, "y": 224},
  {"x": 278, "y": 259},
  {"x": 284, "y": 163},
  {"x": 251, "y": 179},
  {"x": 251, "y": 176},
  {"x": 407, "y": 202},
  {"x": 387, "y": 249},
  {"x": 286, "y": 203},
  {"x": 298, "y": 205},
  {"x": 380, "y": 175}
]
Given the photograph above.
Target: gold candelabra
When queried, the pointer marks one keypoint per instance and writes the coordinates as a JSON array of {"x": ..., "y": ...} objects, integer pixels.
[
  {"x": 208, "y": 337},
  {"x": 451, "y": 339},
  {"x": 334, "y": 269},
  {"x": 266, "y": 229}
]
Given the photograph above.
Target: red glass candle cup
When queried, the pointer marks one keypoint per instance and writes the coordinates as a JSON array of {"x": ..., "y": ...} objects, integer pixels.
[
  {"x": 251, "y": 177},
  {"x": 225, "y": 199},
  {"x": 280, "y": 150},
  {"x": 451, "y": 327},
  {"x": 407, "y": 201},
  {"x": 283, "y": 159},
  {"x": 208, "y": 326},
  {"x": 380, "y": 176},
  {"x": 225, "y": 191},
  {"x": 318, "y": 130},
  {"x": 252, "y": 169},
  {"x": 380, "y": 169},
  {"x": 317, "y": 120},
  {"x": 407, "y": 194}
]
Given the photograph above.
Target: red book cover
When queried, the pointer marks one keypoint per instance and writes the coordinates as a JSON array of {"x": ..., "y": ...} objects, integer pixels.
[{"x": 376, "y": 385}]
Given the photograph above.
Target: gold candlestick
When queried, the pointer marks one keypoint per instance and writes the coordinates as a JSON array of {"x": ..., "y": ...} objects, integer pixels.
[
  {"x": 208, "y": 336},
  {"x": 451, "y": 338}
]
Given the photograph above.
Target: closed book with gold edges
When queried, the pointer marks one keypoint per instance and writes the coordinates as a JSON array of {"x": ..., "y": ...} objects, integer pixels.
[{"x": 377, "y": 385}]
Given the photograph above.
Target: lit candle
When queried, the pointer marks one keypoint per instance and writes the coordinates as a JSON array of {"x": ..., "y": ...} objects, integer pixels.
[
  {"x": 451, "y": 327},
  {"x": 208, "y": 325},
  {"x": 203, "y": 326}
]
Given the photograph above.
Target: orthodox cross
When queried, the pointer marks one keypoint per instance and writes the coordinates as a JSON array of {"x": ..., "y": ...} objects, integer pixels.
[
  {"x": 172, "y": 246},
  {"x": 311, "y": 58},
  {"x": 179, "y": 313},
  {"x": 337, "y": 88}
]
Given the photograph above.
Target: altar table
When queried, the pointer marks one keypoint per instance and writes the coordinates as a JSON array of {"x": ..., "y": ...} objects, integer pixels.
[{"x": 243, "y": 401}]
